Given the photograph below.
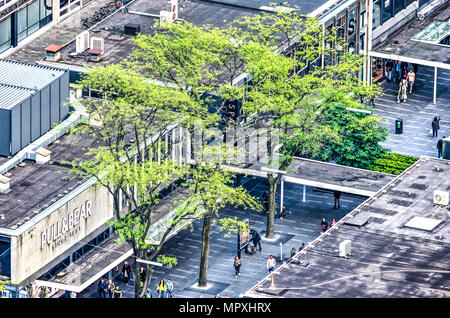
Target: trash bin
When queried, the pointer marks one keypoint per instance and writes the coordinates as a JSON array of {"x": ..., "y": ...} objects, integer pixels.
[{"x": 399, "y": 126}]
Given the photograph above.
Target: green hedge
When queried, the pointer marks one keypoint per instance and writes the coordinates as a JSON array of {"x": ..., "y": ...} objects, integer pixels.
[{"x": 393, "y": 163}]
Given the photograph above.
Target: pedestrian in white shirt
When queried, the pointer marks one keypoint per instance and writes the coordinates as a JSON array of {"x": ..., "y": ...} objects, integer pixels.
[{"x": 271, "y": 264}]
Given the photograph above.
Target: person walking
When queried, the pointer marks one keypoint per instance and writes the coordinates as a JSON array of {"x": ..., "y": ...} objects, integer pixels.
[
  {"x": 142, "y": 275},
  {"x": 126, "y": 270},
  {"x": 271, "y": 264},
  {"x": 256, "y": 238},
  {"x": 397, "y": 70},
  {"x": 439, "y": 147},
  {"x": 411, "y": 79},
  {"x": 266, "y": 198},
  {"x": 301, "y": 247},
  {"x": 110, "y": 287},
  {"x": 415, "y": 67},
  {"x": 404, "y": 67},
  {"x": 324, "y": 225},
  {"x": 169, "y": 288},
  {"x": 117, "y": 292},
  {"x": 435, "y": 125},
  {"x": 237, "y": 266},
  {"x": 388, "y": 69},
  {"x": 337, "y": 199},
  {"x": 161, "y": 289},
  {"x": 402, "y": 91},
  {"x": 101, "y": 288},
  {"x": 293, "y": 251}
]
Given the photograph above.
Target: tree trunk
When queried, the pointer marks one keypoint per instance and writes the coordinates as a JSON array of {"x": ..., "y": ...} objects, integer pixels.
[
  {"x": 136, "y": 267},
  {"x": 273, "y": 183},
  {"x": 270, "y": 226},
  {"x": 202, "y": 278}
]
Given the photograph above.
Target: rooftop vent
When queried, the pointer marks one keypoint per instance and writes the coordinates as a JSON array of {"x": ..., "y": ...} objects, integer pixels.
[
  {"x": 165, "y": 17},
  {"x": 345, "y": 248},
  {"x": 422, "y": 223},
  {"x": 52, "y": 52},
  {"x": 132, "y": 29},
  {"x": 82, "y": 42},
  {"x": 42, "y": 156},
  {"x": 440, "y": 197},
  {"x": 97, "y": 46},
  {"x": 4, "y": 184}
]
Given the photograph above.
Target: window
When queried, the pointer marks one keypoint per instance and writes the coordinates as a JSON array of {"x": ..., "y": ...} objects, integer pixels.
[
  {"x": 352, "y": 30},
  {"x": 328, "y": 46},
  {"x": 352, "y": 22},
  {"x": 340, "y": 36},
  {"x": 22, "y": 24},
  {"x": 45, "y": 12},
  {"x": 5, "y": 34},
  {"x": 387, "y": 10},
  {"x": 376, "y": 21},
  {"x": 33, "y": 17}
]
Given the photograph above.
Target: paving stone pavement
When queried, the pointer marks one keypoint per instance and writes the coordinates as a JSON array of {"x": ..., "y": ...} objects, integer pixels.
[
  {"x": 417, "y": 113},
  {"x": 301, "y": 227}
]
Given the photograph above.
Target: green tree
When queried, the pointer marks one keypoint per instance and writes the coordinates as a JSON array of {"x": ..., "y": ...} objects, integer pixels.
[
  {"x": 357, "y": 137},
  {"x": 289, "y": 106},
  {"x": 211, "y": 185},
  {"x": 131, "y": 156}
]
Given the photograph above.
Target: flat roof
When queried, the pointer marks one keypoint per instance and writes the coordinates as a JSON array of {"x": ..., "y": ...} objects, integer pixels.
[
  {"x": 118, "y": 46},
  {"x": 217, "y": 13},
  {"x": 327, "y": 175},
  {"x": 387, "y": 258},
  {"x": 34, "y": 187},
  {"x": 19, "y": 80},
  {"x": 305, "y": 6},
  {"x": 25, "y": 75},
  {"x": 91, "y": 266},
  {"x": 402, "y": 42}
]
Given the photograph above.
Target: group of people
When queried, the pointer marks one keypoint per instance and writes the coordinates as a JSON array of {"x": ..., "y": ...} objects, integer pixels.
[
  {"x": 324, "y": 224},
  {"x": 406, "y": 75},
  {"x": 294, "y": 251},
  {"x": 108, "y": 287},
  {"x": 104, "y": 287},
  {"x": 163, "y": 289},
  {"x": 434, "y": 130}
]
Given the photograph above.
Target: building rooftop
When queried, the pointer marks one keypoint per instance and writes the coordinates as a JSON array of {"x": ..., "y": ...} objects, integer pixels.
[
  {"x": 412, "y": 41},
  {"x": 217, "y": 13},
  {"x": 330, "y": 176},
  {"x": 19, "y": 80},
  {"x": 388, "y": 258},
  {"x": 34, "y": 187}
]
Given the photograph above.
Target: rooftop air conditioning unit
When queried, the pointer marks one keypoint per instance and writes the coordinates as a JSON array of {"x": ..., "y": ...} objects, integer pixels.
[
  {"x": 345, "y": 248},
  {"x": 82, "y": 42},
  {"x": 165, "y": 17},
  {"x": 97, "y": 44},
  {"x": 173, "y": 8},
  {"x": 440, "y": 197}
]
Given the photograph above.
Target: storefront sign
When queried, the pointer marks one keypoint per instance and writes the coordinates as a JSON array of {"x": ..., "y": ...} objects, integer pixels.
[{"x": 69, "y": 224}]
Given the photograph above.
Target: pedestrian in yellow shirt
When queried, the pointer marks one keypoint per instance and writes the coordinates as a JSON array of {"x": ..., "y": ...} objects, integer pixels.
[{"x": 161, "y": 289}]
